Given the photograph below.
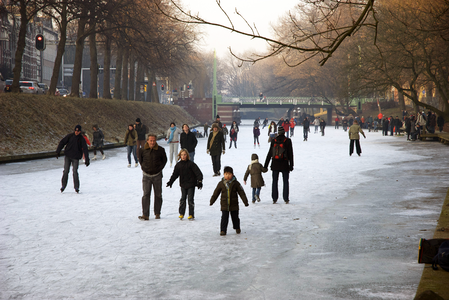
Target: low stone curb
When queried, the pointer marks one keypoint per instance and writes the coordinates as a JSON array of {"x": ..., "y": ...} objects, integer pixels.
[{"x": 431, "y": 280}]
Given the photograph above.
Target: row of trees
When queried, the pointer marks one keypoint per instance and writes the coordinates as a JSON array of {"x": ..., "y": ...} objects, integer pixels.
[
  {"x": 339, "y": 50},
  {"x": 134, "y": 30}
]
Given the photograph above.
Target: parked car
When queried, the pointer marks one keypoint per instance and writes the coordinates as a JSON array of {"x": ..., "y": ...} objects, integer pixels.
[
  {"x": 44, "y": 87},
  {"x": 63, "y": 92},
  {"x": 30, "y": 87},
  {"x": 8, "y": 84}
]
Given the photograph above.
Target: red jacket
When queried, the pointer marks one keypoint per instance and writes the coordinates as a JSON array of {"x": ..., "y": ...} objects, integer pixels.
[{"x": 292, "y": 124}]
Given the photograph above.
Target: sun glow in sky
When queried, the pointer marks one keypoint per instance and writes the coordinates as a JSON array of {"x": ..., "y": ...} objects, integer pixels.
[{"x": 261, "y": 13}]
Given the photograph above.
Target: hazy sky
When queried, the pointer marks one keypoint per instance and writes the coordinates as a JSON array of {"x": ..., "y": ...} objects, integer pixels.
[{"x": 262, "y": 13}]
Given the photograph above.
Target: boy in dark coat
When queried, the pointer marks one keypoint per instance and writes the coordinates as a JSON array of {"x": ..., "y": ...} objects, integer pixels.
[
  {"x": 189, "y": 176},
  {"x": 215, "y": 147},
  {"x": 255, "y": 169},
  {"x": 229, "y": 187}
]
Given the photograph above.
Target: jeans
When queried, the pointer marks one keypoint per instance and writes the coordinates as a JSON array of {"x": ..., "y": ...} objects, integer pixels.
[
  {"x": 225, "y": 219},
  {"x": 192, "y": 155},
  {"x": 256, "y": 139},
  {"x": 133, "y": 150},
  {"x": 187, "y": 194},
  {"x": 306, "y": 132},
  {"x": 274, "y": 187},
  {"x": 147, "y": 184},
  {"x": 256, "y": 191},
  {"x": 65, "y": 175}
]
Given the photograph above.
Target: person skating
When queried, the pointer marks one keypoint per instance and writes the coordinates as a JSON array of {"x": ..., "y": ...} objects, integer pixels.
[
  {"x": 354, "y": 137},
  {"x": 225, "y": 132},
  {"x": 75, "y": 146},
  {"x": 141, "y": 130},
  {"x": 255, "y": 169},
  {"x": 265, "y": 123},
  {"x": 98, "y": 141},
  {"x": 256, "y": 133},
  {"x": 131, "y": 144},
  {"x": 215, "y": 147},
  {"x": 190, "y": 176},
  {"x": 281, "y": 156},
  {"x": 152, "y": 161},
  {"x": 206, "y": 129},
  {"x": 272, "y": 131},
  {"x": 233, "y": 134},
  {"x": 322, "y": 126},
  {"x": 316, "y": 122},
  {"x": 188, "y": 141},
  {"x": 172, "y": 139},
  {"x": 306, "y": 128},
  {"x": 230, "y": 189}
]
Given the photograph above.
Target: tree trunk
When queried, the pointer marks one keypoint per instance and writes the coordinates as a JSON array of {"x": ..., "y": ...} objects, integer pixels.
[
  {"x": 93, "y": 66},
  {"x": 401, "y": 101},
  {"x": 61, "y": 50},
  {"x": 21, "y": 43},
  {"x": 139, "y": 96},
  {"x": 107, "y": 67},
  {"x": 118, "y": 73},
  {"x": 132, "y": 76},
  {"x": 75, "y": 92},
  {"x": 125, "y": 75}
]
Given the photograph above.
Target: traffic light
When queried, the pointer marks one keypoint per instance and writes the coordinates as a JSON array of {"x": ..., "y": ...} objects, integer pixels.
[
  {"x": 189, "y": 86},
  {"x": 162, "y": 87},
  {"x": 40, "y": 42}
]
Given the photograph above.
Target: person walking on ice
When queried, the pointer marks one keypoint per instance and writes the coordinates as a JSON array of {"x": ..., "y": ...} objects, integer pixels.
[
  {"x": 354, "y": 137},
  {"x": 172, "y": 139},
  {"x": 189, "y": 176},
  {"x": 230, "y": 189},
  {"x": 255, "y": 169}
]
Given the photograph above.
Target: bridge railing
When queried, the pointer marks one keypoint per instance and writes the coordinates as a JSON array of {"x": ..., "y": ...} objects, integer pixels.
[{"x": 274, "y": 100}]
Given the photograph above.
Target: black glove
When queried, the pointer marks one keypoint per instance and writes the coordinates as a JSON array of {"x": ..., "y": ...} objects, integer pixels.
[
  {"x": 200, "y": 185},
  {"x": 246, "y": 204},
  {"x": 57, "y": 155},
  {"x": 291, "y": 168},
  {"x": 169, "y": 184},
  {"x": 87, "y": 163}
]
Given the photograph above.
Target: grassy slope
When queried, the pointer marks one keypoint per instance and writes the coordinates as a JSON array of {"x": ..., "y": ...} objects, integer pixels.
[{"x": 32, "y": 124}]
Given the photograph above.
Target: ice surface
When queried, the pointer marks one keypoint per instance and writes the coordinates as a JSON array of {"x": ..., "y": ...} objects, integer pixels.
[{"x": 351, "y": 230}]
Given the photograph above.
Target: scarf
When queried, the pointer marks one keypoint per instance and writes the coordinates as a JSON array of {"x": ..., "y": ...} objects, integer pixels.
[
  {"x": 214, "y": 134},
  {"x": 253, "y": 162},
  {"x": 172, "y": 133}
]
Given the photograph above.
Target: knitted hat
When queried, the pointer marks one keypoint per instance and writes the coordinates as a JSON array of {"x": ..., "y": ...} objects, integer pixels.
[
  {"x": 78, "y": 127},
  {"x": 281, "y": 130},
  {"x": 218, "y": 116},
  {"x": 138, "y": 120}
]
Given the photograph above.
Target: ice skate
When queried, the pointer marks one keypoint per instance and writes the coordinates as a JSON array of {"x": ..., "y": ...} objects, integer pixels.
[
  {"x": 190, "y": 218},
  {"x": 104, "y": 156},
  {"x": 238, "y": 231},
  {"x": 129, "y": 165},
  {"x": 136, "y": 165},
  {"x": 94, "y": 158},
  {"x": 181, "y": 217},
  {"x": 257, "y": 198},
  {"x": 222, "y": 233},
  {"x": 143, "y": 218}
]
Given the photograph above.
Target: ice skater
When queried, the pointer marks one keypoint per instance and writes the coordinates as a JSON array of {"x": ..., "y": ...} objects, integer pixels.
[
  {"x": 355, "y": 138},
  {"x": 189, "y": 176},
  {"x": 255, "y": 169},
  {"x": 230, "y": 189}
]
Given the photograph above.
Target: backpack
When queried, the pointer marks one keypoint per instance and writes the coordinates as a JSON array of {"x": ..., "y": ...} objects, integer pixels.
[
  {"x": 279, "y": 151},
  {"x": 442, "y": 258}
]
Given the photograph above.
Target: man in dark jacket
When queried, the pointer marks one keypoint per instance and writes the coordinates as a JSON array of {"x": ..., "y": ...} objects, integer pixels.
[
  {"x": 141, "y": 132},
  {"x": 306, "y": 126},
  {"x": 215, "y": 147},
  {"x": 281, "y": 156},
  {"x": 152, "y": 160},
  {"x": 188, "y": 141},
  {"x": 75, "y": 147}
]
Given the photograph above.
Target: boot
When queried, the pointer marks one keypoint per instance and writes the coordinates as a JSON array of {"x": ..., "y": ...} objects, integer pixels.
[
  {"x": 104, "y": 156},
  {"x": 94, "y": 158}
]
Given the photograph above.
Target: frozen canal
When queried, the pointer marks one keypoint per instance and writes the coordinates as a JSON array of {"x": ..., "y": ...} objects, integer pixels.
[{"x": 351, "y": 230}]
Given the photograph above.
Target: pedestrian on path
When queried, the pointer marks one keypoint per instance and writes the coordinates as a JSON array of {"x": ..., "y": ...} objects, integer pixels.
[
  {"x": 190, "y": 176},
  {"x": 75, "y": 146},
  {"x": 152, "y": 161},
  {"x": 354, "y": 137}
]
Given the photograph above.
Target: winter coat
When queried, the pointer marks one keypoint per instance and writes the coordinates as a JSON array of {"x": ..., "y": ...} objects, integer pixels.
[
  {"x": 175, "y": 135},
  {"x": 353, "y": 132},
  {"x": 131, "y": 137},
  {"x": 188, "y": 141},
  {"x": 385, "y": 124},
  {"x": 141, "y": 131},
  {"x": 75, "y": 146},
  {"x": 281, "y": 164},
  {"x": 255, "y": 169},
  {"x": 433, "y": 120},
  {"x": 152, "y": 161},
  {"x": 272, "y": 129},
  {"x": 225, "y": 130},
  {"x": 316, "y": 122},
  {"x": 188, "y": 172},
  {"x": 306, "y": 124},
  {"x": 292, "y": 124},
  {"x": 440, "y": 121},
  {"x": 233, "y": 132},
  {"x": 256, "y": 132},
  {"x": 421, "y": 120},
  {"x": 98, "y": 138},
  {"x": 286, "y": 126},
  {"x": 218, "y": 145},
  {"x": 229, "y": 194}
]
